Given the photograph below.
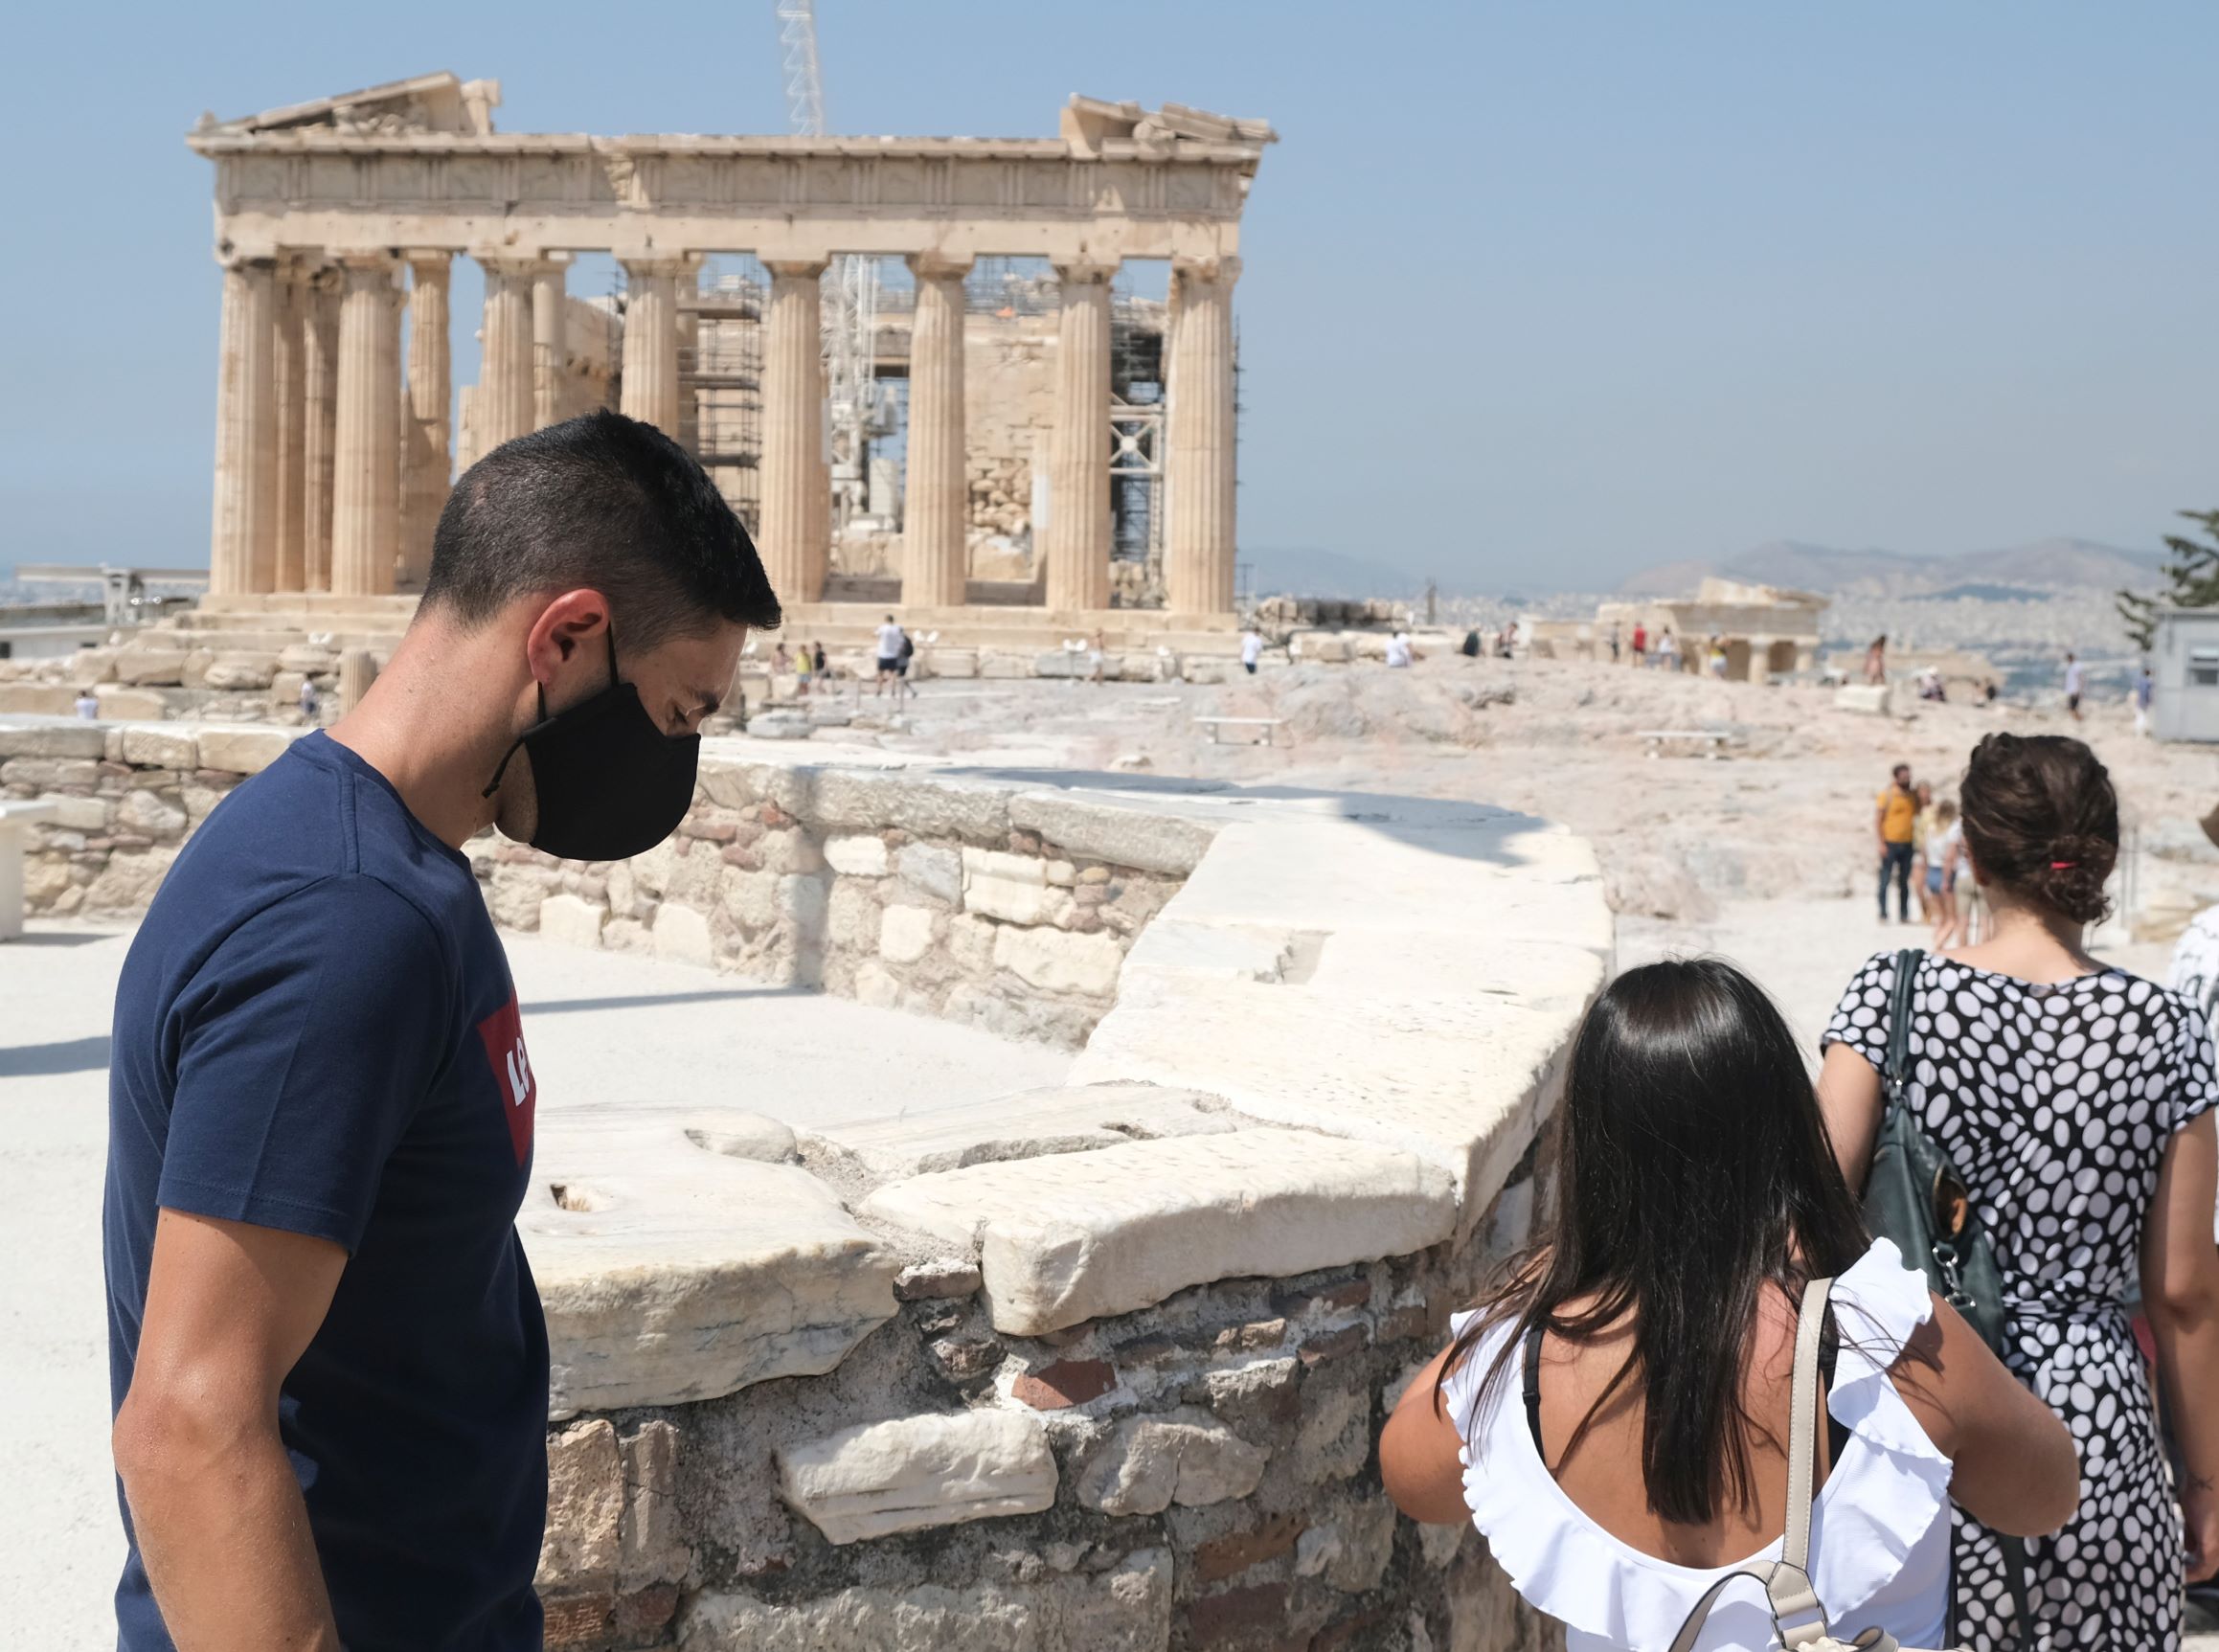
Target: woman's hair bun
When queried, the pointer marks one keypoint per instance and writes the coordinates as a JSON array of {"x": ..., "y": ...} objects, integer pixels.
[{"x": 2042, "y": 820}]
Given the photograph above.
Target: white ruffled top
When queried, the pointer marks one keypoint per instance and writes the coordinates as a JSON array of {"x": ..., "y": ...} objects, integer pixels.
[{"x": 1879, "y": 1535}]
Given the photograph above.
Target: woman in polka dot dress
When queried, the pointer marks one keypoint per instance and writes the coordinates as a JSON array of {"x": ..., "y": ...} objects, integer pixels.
[{"x": 2075, "y": 1100}]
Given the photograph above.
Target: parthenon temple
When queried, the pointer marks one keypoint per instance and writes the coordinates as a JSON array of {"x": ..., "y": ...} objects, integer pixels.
[{"x": 1058, "y": 444}]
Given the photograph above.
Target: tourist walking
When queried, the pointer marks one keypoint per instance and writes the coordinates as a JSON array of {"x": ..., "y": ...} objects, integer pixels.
[
  {"x": 2195, "y": 969},
  {"x": 327, "y": 1359},
  {"x": 1876, "y": 660},
  {"x": 1640, "y": 645},
  {"x": 2072, "y": 1099},
  {"x": 1613, "y": 644},
  {"x": 1944, "y": 869},
  {"x": 891, "y": 637},
  {"x": 308, "y": 706},
  {"x": 1251, "y": 649},
  {"x": 1922, "y": 835},
  {"x": 1399, "y": 653},
  {"x": 2075, "y": 682},
  {"x": 1614, "y": 1415},
  {"x": 2144, "y": 691},
  {"x": 1668, "y": 651},
  {"x": 804, "y": 667},
  {"x": 1097, "y": 651},
  {"x": 1896, "y": 823},
  {"x": 88, "y": 705}
]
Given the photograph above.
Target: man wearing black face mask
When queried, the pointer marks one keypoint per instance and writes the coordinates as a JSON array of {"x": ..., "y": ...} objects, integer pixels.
[{"x": 327, "y": 1357}]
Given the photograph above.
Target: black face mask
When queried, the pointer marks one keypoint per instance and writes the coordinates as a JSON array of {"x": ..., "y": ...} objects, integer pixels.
[{"x": 611, "y": 784}]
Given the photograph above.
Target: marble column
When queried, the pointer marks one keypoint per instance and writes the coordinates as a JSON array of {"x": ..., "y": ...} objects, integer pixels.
[
  {"x": 936, "y": 505},
  {"x": 650, "y": 392},
  {"x": 1199, "y": 551},
  {"x": 1075, "y": 545},
  {"x": 795, "y": 511},
  {"x": 503, "y": 408},
  {"x": 366, "y": 458},
  {"x": 427, "y": 451},
  {"x": 243, "y": 543},
  {"x": 319, "y": 410},
  {"x": 550, "y": 298},
  {"x": 289, "y": 373}
]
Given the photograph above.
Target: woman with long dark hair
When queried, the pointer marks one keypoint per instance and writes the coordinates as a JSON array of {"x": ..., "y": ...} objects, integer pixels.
[
  {"x": 2074, "y": 1100},
  {"x": 1650, "y": 1334}
]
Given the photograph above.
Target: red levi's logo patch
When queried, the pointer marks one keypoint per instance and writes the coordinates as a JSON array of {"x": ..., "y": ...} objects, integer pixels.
[{"x": 503, "y": 1035}]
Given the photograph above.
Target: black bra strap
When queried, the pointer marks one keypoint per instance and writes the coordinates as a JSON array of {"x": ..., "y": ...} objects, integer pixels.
[{"x": 1532, "y": 1365}]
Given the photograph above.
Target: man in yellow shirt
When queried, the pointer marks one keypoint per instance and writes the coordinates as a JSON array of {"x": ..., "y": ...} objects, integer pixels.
[{"x": 1895, "y": 822}]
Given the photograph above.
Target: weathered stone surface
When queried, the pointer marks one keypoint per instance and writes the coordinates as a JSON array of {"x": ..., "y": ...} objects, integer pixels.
[
  {"x": 857, "y": 857},
  {"x": 53, "y": 740},
  {"x": 1024, "y": 1126},
  {"x": 79, "y": 814},
  {"x": 144, "y": 812},
  {"x": 160, "y": 748},
  {"x": 904, "y": 934},
  {"x": 243, "y": 750},
  {"x": 652, "y": 1546},
  {"x": 240, "y": 671},
  {"x": 921, "y": 804},
  {"x": 571, "y": 920},
  {"x": 1055, "y": 961},
  {"x": 1126, "y": 1609},
  {"x": 1132, "y": 835},
  {"x": 154, "y": 667},
  {"x": 670, "y": 1273},
  {"x": 1064, "y": 1384},
  {"x": 743, "y": 1136},
  {"x": 945, "y": 1279},
  {"x": 38, "y": 699},
  {"x": 930, "y": 869},
  {"x": 585, "y": 1506},
  {"x": 1185, "y": 1457},
  {"x": 920, "y": 1471},
  {"x": 682, "y": 936},
  {"x": 130, "y": 880},
  {"x": 119, "y": 702},
  {"x": 1078, "y": 1237}
]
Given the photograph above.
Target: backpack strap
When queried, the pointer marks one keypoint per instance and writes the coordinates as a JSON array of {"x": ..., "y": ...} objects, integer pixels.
[{"x": 1787, "y": 1580}]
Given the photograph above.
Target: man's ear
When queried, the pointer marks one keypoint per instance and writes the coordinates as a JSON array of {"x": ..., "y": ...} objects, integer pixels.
[{"x": 566, "y": 623}]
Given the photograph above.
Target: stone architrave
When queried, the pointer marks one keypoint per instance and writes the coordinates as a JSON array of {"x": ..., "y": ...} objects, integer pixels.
[
  {"x": 427, "y": 458},
  {"x": 1199, "y": 551},
  {"x": 549, "y": 296},
  {"x": 366, "y": 462},
  {"x": 503, "y": 408},
  {"x": 936, "y": 556},
  {"x": 289, "y": 372},
  {"x": 793, "y": 397},
  {"x": 319, "y": 409},
  {"x": 650, "y": 392},
  {"x": 242, "y": 546},
  {"x": 1077, "y": 534}
]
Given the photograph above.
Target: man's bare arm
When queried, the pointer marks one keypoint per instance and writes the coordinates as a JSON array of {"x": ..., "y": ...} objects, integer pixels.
[{"x": 217, "y": 1513}]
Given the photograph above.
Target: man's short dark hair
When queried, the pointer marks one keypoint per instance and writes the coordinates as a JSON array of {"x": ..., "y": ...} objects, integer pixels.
[{"x": 606, "y": 502}]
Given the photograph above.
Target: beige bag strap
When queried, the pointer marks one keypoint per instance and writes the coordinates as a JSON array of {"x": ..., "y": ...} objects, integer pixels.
[{"x": 1787, "y": 1581}]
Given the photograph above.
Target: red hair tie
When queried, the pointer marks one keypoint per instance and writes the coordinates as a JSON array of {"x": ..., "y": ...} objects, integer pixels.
[{"x": 2063, "y": 865}]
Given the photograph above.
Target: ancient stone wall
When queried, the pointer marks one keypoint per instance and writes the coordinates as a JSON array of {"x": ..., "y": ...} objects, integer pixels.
[{"x": 1096, "y": 1366}]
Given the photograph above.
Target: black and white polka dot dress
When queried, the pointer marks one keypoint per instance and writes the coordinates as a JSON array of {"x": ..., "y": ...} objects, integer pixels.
[{"x": 2056, "y": 1105}]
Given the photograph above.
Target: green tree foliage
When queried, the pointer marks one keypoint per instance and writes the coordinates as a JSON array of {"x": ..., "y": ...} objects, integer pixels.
[{"x": 2191, "y": 571}]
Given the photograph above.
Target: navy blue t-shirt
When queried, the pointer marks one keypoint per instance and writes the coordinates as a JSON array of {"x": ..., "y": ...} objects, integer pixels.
[{"x": 316, "y": 1030}]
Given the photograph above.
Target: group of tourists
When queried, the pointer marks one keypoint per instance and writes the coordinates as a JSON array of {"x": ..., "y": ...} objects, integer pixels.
[
  {"x": 805, "y": 665},
  {"x": 1980, "y": 1246},
  {"x": 1922, "y": 849}
]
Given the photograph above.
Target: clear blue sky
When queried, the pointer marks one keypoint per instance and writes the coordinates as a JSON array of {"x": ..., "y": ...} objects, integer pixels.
[{"x": 1571, "y": 286}]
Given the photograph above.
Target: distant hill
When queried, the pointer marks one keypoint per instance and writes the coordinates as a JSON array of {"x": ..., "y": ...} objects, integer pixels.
[
  {"x": 2053, "y": 562},
  {"x": 1306, "y": 571}
]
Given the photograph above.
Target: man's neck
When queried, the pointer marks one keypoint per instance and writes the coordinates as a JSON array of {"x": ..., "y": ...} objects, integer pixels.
[{"x": 435, "y": 724}]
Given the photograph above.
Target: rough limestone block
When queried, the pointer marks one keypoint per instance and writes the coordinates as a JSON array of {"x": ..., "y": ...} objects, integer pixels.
[
  {"x": 585, "y": 1507},
  {"x": 571, "y": 919},
  {"x": 152, "y": 667},
  {"x": 682, "y": 936},
  {"x": 1024, "y": 1126},
  {"x": 671, "y": 1273},
  {"x": 119, "y": 703},
  {"x": 240, "y": 671},
  {"x": 58, "y": 739},
  {"x": 78, "y": 814},
  {"x": 310, "y": 659},
  {"x": 1008, "y": 867},
  {"x": 1126, "y": 1609},
  {"x": 652, "y": 1546},
  {"x": 38, "y": 699},
  {"x": 954, "y": 663},
  {"x": 1029, "y": 901},
  {"x": 1124, "y": 835},
  {"x": 243, "y": 750},
  {"x": 742, "y": 1136},
  {"x": 904, "y": 934},
  {"x": 930, "y": 869},
  {"x": 924, "y": 805},
  {"x": 1081, "y": 1236},
  {"x": 1186, "y": 1457},
  {"x": 1197, "y": 669},
  {"x": 1055, "y": 961},
  {"x": 914, "y": 1472},
  {"x": 159, "y": 748},
  {"x": 857, "y": 857},
  {"x": 143, "y": 814}
]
